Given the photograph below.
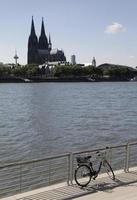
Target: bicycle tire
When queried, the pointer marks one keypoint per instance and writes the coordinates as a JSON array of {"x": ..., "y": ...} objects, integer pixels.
[
  {"x": 83, "y": 175},
  {"x": 109, "y": 170}
]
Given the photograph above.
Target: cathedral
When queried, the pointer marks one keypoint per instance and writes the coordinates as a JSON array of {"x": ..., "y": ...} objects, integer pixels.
[{"x": 40, "y": 50}]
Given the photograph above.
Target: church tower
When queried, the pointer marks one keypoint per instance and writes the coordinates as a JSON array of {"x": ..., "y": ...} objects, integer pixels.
[
  {"x": 94, "y": 62},
  {"x": 32, "y": 46},
  {"x": 40, "y": 50},
  {"x": 50, "y": 44},
  {"x": 43, "y": 41},
  {"x": 43, "y": 46}
]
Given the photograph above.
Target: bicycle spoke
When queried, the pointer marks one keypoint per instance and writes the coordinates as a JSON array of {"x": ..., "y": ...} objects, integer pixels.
[{"x": 83, "y": 175}]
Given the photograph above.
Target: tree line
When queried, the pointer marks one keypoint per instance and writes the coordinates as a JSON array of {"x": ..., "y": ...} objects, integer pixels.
[
  {"x": 19, "y": 71},
  {"x": 115, "y": 72}
]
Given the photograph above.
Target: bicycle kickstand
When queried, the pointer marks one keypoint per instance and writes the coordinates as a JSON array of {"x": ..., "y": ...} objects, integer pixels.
[{"x": 95, "y": 176}]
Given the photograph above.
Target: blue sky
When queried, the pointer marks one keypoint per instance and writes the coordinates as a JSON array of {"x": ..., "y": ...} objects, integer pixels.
[{"x": 106, "y": 29}]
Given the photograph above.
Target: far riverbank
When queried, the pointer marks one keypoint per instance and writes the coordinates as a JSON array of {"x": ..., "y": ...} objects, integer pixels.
[{"x": 55, "y": 79}]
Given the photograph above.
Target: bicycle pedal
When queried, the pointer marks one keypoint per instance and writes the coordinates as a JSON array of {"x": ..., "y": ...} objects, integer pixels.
[{"x": 95, "y": 177}]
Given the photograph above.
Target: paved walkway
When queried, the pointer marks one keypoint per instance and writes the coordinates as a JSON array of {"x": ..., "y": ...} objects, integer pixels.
[{"x": 123, "y": 188}]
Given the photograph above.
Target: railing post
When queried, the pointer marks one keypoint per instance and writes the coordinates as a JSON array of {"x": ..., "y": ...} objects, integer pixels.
[
  {"x": 108, "y": 155},
  {"x": 70, "y": 179},
  {"x": 20, "y": 169},
  {"x": 49, "y": 172},
  {"x": 127, "y": 158}
]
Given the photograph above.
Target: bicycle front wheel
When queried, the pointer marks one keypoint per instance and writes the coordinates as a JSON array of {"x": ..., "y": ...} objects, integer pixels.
[
  {"x": 109, "y": 170},
  {"x": 83, "y": 175}
]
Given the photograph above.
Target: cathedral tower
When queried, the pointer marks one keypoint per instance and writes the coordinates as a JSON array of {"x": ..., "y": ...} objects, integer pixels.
[
  {"x": 40, "y": 51},
  {"x": 43, "y": 41},
  {"x": 32, "y": 46}
]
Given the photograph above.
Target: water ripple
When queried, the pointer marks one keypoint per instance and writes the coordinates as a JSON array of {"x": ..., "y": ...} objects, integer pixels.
[{"x": 50, "y": 118}]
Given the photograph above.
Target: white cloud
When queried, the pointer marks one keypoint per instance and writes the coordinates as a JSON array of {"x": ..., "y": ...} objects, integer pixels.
[
  {"x": 131, "y": 57},
  {"x": 115, "y": 27}
]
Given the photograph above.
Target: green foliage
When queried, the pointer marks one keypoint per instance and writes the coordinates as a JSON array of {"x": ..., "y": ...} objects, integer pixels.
[
  {"x": 89, "y": 70},
  {"x": 77, "y": 71},
  {"x": 5, "y": 70},
  {"x": 113, "y": 72},
  {"x": 25, "y": 71},
  {"x": 31, "y": 70},
  {"x": 63, "y": 71},
  {"x": 19, "y": 71},
  {"x": 119, "y": 72}
]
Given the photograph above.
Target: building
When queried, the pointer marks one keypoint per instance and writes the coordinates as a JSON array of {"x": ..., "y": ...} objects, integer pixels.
[
  {"x": 40, "y": 50},
  {"x": 94, "y": 62},
  {"x": 73, "y": 59}
]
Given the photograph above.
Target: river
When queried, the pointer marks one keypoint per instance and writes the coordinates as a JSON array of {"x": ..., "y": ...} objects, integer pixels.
[{"x": 42, "y": 119}]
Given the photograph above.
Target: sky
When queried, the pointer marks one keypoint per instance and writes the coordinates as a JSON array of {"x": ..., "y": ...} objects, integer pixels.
[{"x": 104, "y": 29}]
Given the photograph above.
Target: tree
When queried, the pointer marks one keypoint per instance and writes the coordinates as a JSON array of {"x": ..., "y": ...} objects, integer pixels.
[{"x": 5, "y": 70}]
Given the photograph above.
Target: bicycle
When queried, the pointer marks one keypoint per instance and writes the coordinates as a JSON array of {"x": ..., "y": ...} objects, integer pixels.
[{"x": 85, "y": 170}]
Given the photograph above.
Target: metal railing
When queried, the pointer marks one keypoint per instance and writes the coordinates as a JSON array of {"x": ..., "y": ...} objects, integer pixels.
[{"x": 28, "y": 175}]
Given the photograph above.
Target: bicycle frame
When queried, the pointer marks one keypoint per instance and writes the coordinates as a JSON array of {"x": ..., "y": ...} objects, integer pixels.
[{"x": 94, "y": 172}]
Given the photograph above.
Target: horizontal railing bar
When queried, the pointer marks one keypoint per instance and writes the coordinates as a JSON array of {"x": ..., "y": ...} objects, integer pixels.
[
  {"x": 4, "y": 194},
  {"x": 29, "y": 184},
  {"x": 88, "y": 151},
  {"x": 100, "y": 149},
  {"x": 30, "y": 177},
  {"x": 62, "y": 155},
  {"x": 118, "y": 146},
  {"x": 25, "y": 188},
  {"x": 132, "y": 143},
  {"x": 34, "y": 160},
  {"x": 12, "y": 179},
  {"x": 32, "y": 174},
  {"x": 16, "y": 186},
  {"x": 15, "y": 175}
]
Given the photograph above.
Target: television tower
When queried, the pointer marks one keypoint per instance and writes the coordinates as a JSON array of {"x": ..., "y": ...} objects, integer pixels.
[{"x": 16, "y": 58}]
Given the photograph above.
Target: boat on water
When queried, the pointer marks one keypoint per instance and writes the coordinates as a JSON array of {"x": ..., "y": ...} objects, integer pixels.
[
  {"x": 134, "y": 79},
  {"x": 26, "y": 80}
]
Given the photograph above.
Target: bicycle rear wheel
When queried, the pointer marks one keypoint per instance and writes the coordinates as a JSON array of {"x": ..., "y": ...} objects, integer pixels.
[
  {"x": 109, "y": 170},
  {"x": 83, "y": 175}
]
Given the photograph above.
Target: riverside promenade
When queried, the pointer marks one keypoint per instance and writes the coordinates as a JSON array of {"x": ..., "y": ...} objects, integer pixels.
[
  {"x": 123, "y": 188},
  {"x": 52, "y": 178}
]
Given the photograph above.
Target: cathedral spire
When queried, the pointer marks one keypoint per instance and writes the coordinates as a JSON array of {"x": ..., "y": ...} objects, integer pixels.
[
  {"x": 32, "y": 45},
  {"x": 42, "y": 28},
  {"x": 43, "y": 42},
  {"x": 32, "y": 27}
]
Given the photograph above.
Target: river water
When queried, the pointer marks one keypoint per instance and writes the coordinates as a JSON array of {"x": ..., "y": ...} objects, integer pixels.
[{"x": 42, "y": 119}]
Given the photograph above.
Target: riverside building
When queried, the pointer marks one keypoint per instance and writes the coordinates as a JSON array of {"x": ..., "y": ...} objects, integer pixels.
[
  {"x": 73, "y": 59},
  {"x": 40, "y": 50}
]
